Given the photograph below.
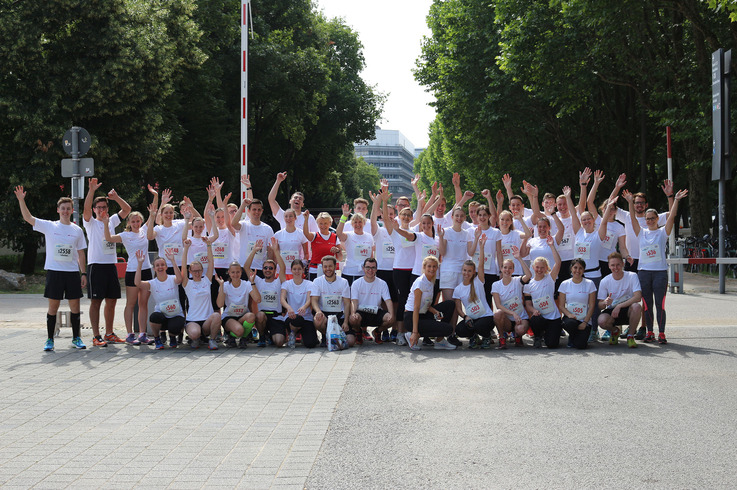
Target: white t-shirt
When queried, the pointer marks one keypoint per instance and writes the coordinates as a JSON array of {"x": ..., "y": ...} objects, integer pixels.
[
  {"x": 543, "y": 296},
  {"x": 614, "y": 230},
  {"x": 358, "y": 249},
  {"x": 249, "y": 234},
  {"x": 297, "y": 296},
  {"x": 199, "y": 299},
  {"x": 299, "y": 222},
  {"x": 385, "y": 249},
  {"x": 511, "y": 243},
  {"x": 62, "y": 244},
  {"x": 223, "y": 249},
  {"x": 456, "y": 249},
  {"x": 577, "y": 296},
  {"x": 652, "y": 250},
  {"x": 633, "y": 244},
  {"x": 493, "y": 236},
  {"x": 474, "y": 309},
  {"x": 369, "y": 294},
  {"x": 133, "y": 242},
  {"x": 539, "y": 248},
  {"x": 404, "y": 252},
  {"x": 270, "y": 294},
  {"x": 290, "y": 245},
  {"x": 100, "y": 250},
  {"x": 511, "y": 296},
  {"x": 169, "y": 238},
  {"x": 565, "y": 248},
  {"x": 165, "y": 295},
  {"x": 331, "y": 294},
  {"x": 236, "y": 299},
  {"x": 426, "y": 288},
  {"x": 424, "y": 246},
  {"x": 621, "y": 290},
  {"x": 197, "y": 252},
  {"x": 587, "y": 247}
]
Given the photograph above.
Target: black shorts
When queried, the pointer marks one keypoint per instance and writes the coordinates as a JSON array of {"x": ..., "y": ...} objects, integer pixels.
[
  {"x": 340, "y": 315},
  {"x": 62, "y": 284},
  {"x": 388, "y": 277},
  {"x": 130, "y": 277},
  {"x": 198, "y": 322},
  {"x": 372, "y": 319},
  {"x": 633, "y": 267},
  {"x": 622, "y": 319},
  {"x": 276, "y": 327},
  {"x": 102, "y": 281}
]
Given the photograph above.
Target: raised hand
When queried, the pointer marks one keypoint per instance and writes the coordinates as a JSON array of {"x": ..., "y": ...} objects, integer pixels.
[
  {"x": 441, "y": 231},
  {"x": 667, "y": 187},
  {"x": 456, "y": 180},
  {"x": 165, "y": 196},
  {"x": 627, "y": 195},
  {"x": 20, "y": 193},
  {"x": 187, "y": 242},
  {"x": 216, "y": 184},
  {"x": 140, "y": 255},
  {"x": 152, "y": 190},
  {"x": 567, "y": 191},
  {"x": 94, "y": 184},
  {"x": 598, "y": 177},
  {"x": 681, "y": 194},
  {"x": 621, "y": 181},
  {"x": 281, "y": 176},
  {"x": 499, "y": 196},
  {"x": 112, "y": 194},
  {"x": 507, "y": 181},
  {"x": 415, "y": 180},
  {"x": 152, "y": 208},
  {"x": 585, "y": 176},
  {"x": 219, "y": 279},
  {"x": 486, "y": 193},
  {"x": 246, "y": 180},
  {"x": 346, "y": 209},
  {"x": 210, "y": 192},
  {"x": 468, "y": 195}
]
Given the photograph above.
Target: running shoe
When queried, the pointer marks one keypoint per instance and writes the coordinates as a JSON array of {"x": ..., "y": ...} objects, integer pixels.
[
  {"x": 158, "y": 344},
  {"x": 195, "y": 344},
  {"x": 292, "y": 341},
  {"x": 132, "y": 340},
  {"x": 394, "y": 335},
  {"x": 378, "y": 338},
  {"x": 594, "y": 335},
  {"x": 323, "y": 342},
  {"x": 641, "y": 332},
  {"x": 359, "y": 339},
  {"x": 649, "y": 338},
  {"x": 454, "y": 340},
  {"x": 530, "y": 333},
  {"x": 144, "y": 340},
  {"x": 49, "y": 345},
  {"x": 626, "y": 332},
  {"x": 631, "y": 342},
  {"x": 401, "y": 340},
  {"x": 614, "y": 338},
  {"x": 606, "y": 335},
  {"x": 502, "y": 345},
  {"x": 254, "y": 334},
  {"x": 407, "y": 337},
  {"x": 444, "y": 345},
  {"x": 427, "y": 342},
  {"x": 661, "y": 338},
  {"x": 385, "y": 336},
  {"x": 518, "y": 342},
  {"x": 298, "y": 338},
  {"x": 487, "y": 342},
  {"x": 77, "y": 343},
  {"x": 474, "y": 342},
  {"x": 269, "y": 341},
  {"x": 212, "y": 344},
  {"x": 242, "y": 343},
  {"x": 111, "y": 338},
  {"x": 230, "y": 341},
  {"x": 163, "y": 337},
  {"x": 261, "y": 343},
  {"x": 173, "y": 342},
  {"x": 537, "y": 343},
  {"x": 367, "y": 336},
  {"x": 98, "y": 342}
]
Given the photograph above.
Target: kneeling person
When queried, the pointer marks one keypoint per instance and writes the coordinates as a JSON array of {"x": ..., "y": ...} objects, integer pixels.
[
  {"x": 367, "y": 293},
  {"x": 331, "y": 295},
  {"x": 619, "y": 299}
]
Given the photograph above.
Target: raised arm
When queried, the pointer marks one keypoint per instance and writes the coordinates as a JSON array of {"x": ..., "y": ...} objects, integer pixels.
[
  {"x": 486, "y": 193},
  {"x": 280, "y": 177},
  {"x": 106, "y": 229},
  {"x": 246, "y": 180},
  {"x": 575, "y": 222},
  {"x": 140, "y": 255},
  {"x": 633, "y": 215},
  {"x": 343, "y": 219},
  {"x": 184, "y": 275},
  {"x": 279, "y": 259},
  {"x": 21, "y": 195},
  {"x": 375, "y": 205},
  {"x": 125, "y": 208},
  {"x": 583, "y": 182},
  {"x": 605, "y": 221},
  {"x": 590, "y": 200},
  {"x": 306, "y": 226},
  {"x": 456, "y": 180},
  {"x": 556, "y": 268},
  {"x": 235, "y": 222},
  {"x": 668, "y": 191},
  {"x": 93, "y": 186},
  {"x": 674, "y": 211}
]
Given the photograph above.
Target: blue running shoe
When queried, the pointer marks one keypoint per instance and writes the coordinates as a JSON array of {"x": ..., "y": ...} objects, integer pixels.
[
  {"x": 77, "y": 343},
  {"x": 158, "y": 344},
  {"x": 49, "y": 346}
]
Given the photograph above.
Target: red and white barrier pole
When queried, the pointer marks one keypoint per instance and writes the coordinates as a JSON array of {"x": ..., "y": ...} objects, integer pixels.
[{"x": 244, "y": 93}]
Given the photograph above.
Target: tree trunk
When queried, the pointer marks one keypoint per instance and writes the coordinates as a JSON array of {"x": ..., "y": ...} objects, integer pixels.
[
  {"x": 698, "y": 200},
  {"x": 30, "y": 252}
]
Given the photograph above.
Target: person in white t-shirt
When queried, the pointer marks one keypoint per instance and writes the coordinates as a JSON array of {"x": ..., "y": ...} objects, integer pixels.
[
  {"x": 577, "y": 301},
  {"x": 250, "y": 231},
  {"x": 202, "y": 321},
  {"x": 233, "y": 296},
  {"x": 477, "y": 317},
  {"x": 540, "y": 300},
  {"x": 65, "y": 259},
  {"x": 168, "y": 312},
  {"x": 331, "y": 295},
  {"x": 296, "y": 203},
  {"x": 367, "y": 294},
  {"x": 358, "y": 244},
  {"x": 297, "y": 302},
  {"x": 511, "y": 318},
  {"x": 269, "y": 287},
  {"x": 653, "y": 268},
  {"x": 102, "y": 273},
  {"x": 619, "y": 299},
  {"x": 292, "y": 241}
]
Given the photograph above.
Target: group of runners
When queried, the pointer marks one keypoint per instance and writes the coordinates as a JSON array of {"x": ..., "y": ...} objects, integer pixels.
[{"x": 416, "y": 277}]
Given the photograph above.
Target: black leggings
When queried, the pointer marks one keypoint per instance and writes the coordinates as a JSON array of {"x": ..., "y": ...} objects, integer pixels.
[
  {"x": 481, "y": 326},
  {"x": 306, "y": 328},
  {"x": 489, "y": 280},
  {"x": 215, "y": 286},
  {"x": 580, "y": 338},
  {"x": 403, "y": 281},
  {"x": 174, "y": 325},
  {"x": 428, "y": 325},
  {"x": 549, "y": 330}
]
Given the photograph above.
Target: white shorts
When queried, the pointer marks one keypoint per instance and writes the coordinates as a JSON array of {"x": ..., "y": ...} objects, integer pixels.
[{"x": 450, "y": 279}]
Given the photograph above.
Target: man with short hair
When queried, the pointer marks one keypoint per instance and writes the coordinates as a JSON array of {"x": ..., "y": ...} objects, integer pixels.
[
  {"x": 619, "y": 299},
  {"x": 65, "y": 259},
  {"x": 102, "y": 273},
  {"x": 250, "y": 231},
  {"x": 367, "y": 294},
  {"x": 331, "y": 295},
  {"x": 296, "y": 202}
]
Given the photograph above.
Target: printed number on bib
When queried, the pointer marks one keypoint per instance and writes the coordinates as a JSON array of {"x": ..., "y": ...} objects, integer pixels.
[
  {"x": 201, "y": 257},
  {"x": 362, "y": 251},
  {"x": 63, "y": 252},
  {"x": 487, "y": 258},
  {"x": 387, "y": 250},
  {"x": 108, "y": 248},
  {"x": 331, "y": 302},
  {"x": 608, "y": 242},
  {"x": 174, "y": 249},
  {"x": 270, "y": 300},
  {"x": 220, "y": 250},
  {"x": 428, "y": 250},
  {"x": 171, "y": 308},
  {"x": 237, "y": 310},
  {"x": 425, "y": 304},
  {"x": 544, "y": 304},
  {"x": 475, "y": 310},
  {"x": 566, "y": 243},
  {"x": 650, "y": 253},
  {"x": 579, "y": 310},
  {"x": 368, "y": 309},
  {"x": 288, "y": 256},
  {"x": 514, "y": 305},
  {"x": 583, "y": 250},
  {"x": 508, "y": 251}
]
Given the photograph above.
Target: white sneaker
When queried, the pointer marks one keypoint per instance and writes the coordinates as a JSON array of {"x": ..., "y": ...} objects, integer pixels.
[
  {"x": 212, "y": 344},
  {"x": 407, "y": 336},
  {"x": 401, "y": 340},
  {"x": 444, "y": 345}
]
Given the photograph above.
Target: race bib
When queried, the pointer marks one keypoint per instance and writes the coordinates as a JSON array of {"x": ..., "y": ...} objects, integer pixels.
[
  {"x": 368, "y": 309},
  {"x": 544, "y": 304},
  {"x": 63, "y": 252},
  {"x": 425, "y": 304},
  {"x": 108, "y": 248},
  {"x": 331, "y": 302},
  {"x": 259, "y": 255},
  {"x": 428, "y": 250},
  {"x": 475, "y": 309},
  {"x": 174, "y": 249},
  {"x": 201, "y": 257},
  {"x": 566, "y": 243},
  {"x": 362, "y": 251},
  {"x": 387, "y": 250},
  {"x": 270, "y": 300},
  {"x": 650, "y": 253},
  {"x": 583, "y": 250},
  {"x": 171, "y": 308},
  {"x": 609, "y": 239},
  {"x": 487, "y": 258},
  {"x": 508, "y": 251},
  {"x": 579, "y": 310},
  {"x": 236, "y": 310},
  {"x": 513, "y": 304},
  {"x": 220, "y": 250},
  {"x": 288, "y": 256}
]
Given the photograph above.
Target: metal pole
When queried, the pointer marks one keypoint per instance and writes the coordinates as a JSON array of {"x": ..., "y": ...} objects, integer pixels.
[
  {"x": 722, "y": 218},
  {"x": 76, "y": 174},
  {"x": 675, "y": 270},
  {"x": 244, "y": 93}
]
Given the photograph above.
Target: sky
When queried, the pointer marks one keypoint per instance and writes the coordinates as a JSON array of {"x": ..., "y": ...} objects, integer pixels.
[{"x": 391, "y": 33}]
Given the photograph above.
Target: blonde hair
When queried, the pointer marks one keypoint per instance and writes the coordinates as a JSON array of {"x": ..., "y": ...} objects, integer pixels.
[
  {"x": 128, "y": 221},
  {"x": 430, "y": 258},
  {"x": 358, "y": 217},
  {"x": 324, "y": 215},
  {"x": 167, "y": 206},
  {"x": 544, "y": 260},
  {"x": 472, "y": 295},
  {"x": 511, "y": 218}
]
